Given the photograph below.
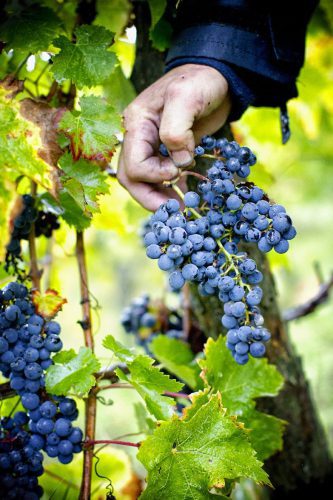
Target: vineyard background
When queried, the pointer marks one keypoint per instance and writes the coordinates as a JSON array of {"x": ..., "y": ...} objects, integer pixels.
[{"x": 299, "y": 175}]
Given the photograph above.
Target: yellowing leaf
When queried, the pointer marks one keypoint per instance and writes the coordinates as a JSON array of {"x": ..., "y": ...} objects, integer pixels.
[
  {"x": 19, "y": 144},
  {"x": 92, "y": 129},
  {"x": 48, "y": 304}
]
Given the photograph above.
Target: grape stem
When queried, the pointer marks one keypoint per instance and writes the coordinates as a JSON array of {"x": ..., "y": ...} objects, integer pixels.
[
  {"x": 91, "y": 402},
  {"x": 194, "y": 174}
]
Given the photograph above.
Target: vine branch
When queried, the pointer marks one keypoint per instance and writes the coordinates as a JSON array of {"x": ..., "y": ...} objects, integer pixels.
[
  {"x": 91, "y": 402},
  {"x": 310, "y": 305},
  {"x": 35, "y": 273},
  {"x": 85, "y": 300}
]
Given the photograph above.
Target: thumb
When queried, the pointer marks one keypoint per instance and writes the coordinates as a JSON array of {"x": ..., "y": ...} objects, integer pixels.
[{"x": 177, "y": 120}]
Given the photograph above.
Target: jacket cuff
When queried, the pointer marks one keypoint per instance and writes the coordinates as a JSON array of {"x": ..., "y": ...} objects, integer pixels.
[{"x": 231, "y": 44}]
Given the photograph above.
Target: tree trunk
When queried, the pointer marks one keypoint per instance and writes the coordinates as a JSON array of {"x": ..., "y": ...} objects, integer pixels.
[{"x": 304, "y": 465}]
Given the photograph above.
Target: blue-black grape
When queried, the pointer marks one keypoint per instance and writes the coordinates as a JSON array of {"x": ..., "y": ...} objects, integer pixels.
[
  {"x": 146, "y": 318},
  {"x": 27, "y": 342},
  {"x": 200, "y": 243}
]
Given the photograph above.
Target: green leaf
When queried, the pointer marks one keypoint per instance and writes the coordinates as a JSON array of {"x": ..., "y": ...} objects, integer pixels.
[
  {"x": 87, "y": 62},
  {"x": 124, "y": 354},
  {"x": 161, "y": 35},
  {"x": 92, "y": 129},
  {"x": 75, "y": 373},
  {"x": 31, "y": 30},
  {"x": 145, "y": 424},
  {"x": 239, "y": 387},
  {"x": 191, "y": 457},
  {"x": 72, "y": 213},
  {"x": 178, "y": 359},
  {"x": 118, "y": 90},
  {"x": 67, "y": 207},
  {"x": 64, "y": 356},
  {"x": 82, "y": 185},
  {"x": 75, "y": 189},
  {"x": 147, "y": 379},
  {"x": 157, "y": 8},
  {"x": 113, "y": 14},
  {"x": 20, "y": 142},
  {"x": 266, "y": 432}
]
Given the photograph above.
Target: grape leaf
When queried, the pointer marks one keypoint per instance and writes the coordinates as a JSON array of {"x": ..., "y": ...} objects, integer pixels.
[
  {"x": 87, "y": 62},
  {"x": 146, "y": 425},
  {"x": 147, "y": 379},
  {"x": 177, "y": 358},
  {"x": 92, "y": 129},
  {"x": 266, "y": 433},
  {"x": 191, "y": 457},
  {"x": 239, "y": 386},
  {"x": 67, "y": 208},
  {"x": 157, "y": 8},
  {"x": 64, "y": 356},
  {"x": 113, "y": 14},
  {"x": 74, "y": 374},
  {"x": 161, "y": 35},
  {"x": 31, "y": 30},
  {"x": 47, "y": 304},
  {"x": 91, "y": 177},
  {"x": 19, "y": 144},
  {"x": 119, "y": 90}
]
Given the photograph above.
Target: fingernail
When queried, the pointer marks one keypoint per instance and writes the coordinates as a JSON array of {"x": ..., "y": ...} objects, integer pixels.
[{"x": 181, "y": 158}]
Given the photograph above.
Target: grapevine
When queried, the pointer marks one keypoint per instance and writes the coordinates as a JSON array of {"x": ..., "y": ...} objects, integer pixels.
[{"x": 202, "y": 422}]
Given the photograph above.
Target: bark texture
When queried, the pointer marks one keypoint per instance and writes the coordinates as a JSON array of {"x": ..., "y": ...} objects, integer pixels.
[{"x": 304, "y": 465}]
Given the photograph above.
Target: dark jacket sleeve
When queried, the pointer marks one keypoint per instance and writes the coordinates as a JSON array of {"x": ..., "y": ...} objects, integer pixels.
[{"x": 258, "y": 45}]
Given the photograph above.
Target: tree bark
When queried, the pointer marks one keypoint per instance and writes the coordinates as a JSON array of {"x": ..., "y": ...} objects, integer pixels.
[{"x": 305, "y": 464}]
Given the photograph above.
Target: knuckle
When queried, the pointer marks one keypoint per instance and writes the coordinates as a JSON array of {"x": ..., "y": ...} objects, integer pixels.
[
  {"x": 174, "y": 140},
  {"x": 176, "y": 88}
]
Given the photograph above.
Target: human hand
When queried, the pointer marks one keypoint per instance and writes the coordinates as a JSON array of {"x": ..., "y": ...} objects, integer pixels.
[{"x": 178, "y": 109}]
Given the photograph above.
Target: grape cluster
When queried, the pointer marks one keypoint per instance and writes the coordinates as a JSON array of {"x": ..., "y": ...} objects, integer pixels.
[
  {"x": 20, "y": 462},
  {"x": 146, "y": 319},
  {"x": 22, "y": 225},
  {"x": 27, "y": 342},
  {"x": 46, "y": 223},
  {"x": 201, "y": 243}
]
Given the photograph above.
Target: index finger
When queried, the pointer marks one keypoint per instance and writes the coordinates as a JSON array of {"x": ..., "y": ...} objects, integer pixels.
[{"x": 139, "y": 152}]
